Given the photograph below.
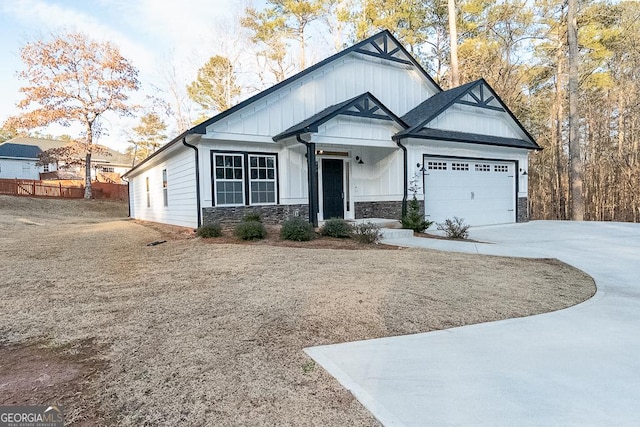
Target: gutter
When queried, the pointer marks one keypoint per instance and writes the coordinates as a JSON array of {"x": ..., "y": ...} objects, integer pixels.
[
  {"x": 198, "y": 204},
  {"x": 406, "y": 178},
  {"x": 312, "y": 180}
]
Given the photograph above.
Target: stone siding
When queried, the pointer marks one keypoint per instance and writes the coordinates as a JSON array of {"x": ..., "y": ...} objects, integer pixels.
[
  {"x": 523, "y": 209},
  {"x": 271, "y": 214},
  {"x": 387, "y": 210}
]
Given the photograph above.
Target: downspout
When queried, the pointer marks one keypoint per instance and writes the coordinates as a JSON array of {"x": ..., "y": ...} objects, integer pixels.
[
  {"x": 184, "y": 141},
  {"x": 406, "y": 178},
  {"x": 312, "y": 180}
]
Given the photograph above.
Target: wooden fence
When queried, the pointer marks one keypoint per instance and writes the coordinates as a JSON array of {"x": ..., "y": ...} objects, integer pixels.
[{"x": 67, "y": 189}]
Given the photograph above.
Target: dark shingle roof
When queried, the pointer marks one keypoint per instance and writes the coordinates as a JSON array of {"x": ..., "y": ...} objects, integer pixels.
[
  {"x": 473, "y": 138},
  {"x": 311, "y": 124},
  {"x": 30, "y": 148},
  {"x": 433, "y": 106},
  {"x": 19, "y": 150},
  {"x": 307, "y": 124},
  {"x": 420, "y": 116},
  {"x": 27, "y": 147}
]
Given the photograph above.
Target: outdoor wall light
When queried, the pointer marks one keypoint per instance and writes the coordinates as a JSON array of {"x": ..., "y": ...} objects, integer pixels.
[
  {"x": 523, "y": 172},
  {"x": 420, "y": 167},
  {"x": 359, "y": 160}
]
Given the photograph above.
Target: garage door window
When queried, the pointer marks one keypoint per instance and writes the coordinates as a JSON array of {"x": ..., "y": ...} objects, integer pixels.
[
  {"x": 437, "y": 166},
  {"x": 500, "y": 168},
  {"x": 460, "y": 166},
  {"x": 483, "y": 167}
]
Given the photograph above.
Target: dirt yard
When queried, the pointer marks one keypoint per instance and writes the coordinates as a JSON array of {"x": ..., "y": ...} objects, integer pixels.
[{"x": 191, "y": 332}]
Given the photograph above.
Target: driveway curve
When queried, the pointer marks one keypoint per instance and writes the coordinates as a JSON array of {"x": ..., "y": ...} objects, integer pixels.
[{"x": 574, "y": 367}]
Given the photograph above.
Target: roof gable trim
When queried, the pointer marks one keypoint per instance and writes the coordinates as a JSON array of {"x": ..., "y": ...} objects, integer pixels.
[
  {"x": 386, "y": 48},
  {"x": 365, "y": 105},
  {"x": 363, "y": 47},
  {"x": 201, "y": 128},
  {"x": 477, "y": 94}
]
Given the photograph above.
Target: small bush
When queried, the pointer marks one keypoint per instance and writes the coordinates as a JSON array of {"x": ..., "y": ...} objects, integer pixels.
[
  {"x": 210, "y": 230},
  {"x": 250, "y": 230},
  {"x": 367, "y": 232},
  {"x": 414, "y": 220},
  {"x": 455, "y": 229},
  {"x": 252, "y": 216},
  {"x": 336, "y": 227},
  {"x": 297, "y": 229}
]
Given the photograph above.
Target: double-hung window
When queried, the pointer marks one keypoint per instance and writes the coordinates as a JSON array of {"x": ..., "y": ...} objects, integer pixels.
[
  {"x": 165, "y": 189},
  {"x": 262, "y": 184},
  {"x": 148, "y": 192},
  {"x": 229, "y": 182},
  {"x": 245, "y": 179}
]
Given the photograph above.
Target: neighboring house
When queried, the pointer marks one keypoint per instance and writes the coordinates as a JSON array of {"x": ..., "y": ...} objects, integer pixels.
[
  {"x": 345, "y": 138},
  {"x": 18, "y": 158},
  {"x": 111, "y": 167}
]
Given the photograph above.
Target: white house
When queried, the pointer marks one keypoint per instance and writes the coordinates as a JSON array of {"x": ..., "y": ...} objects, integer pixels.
[
  {"x": 19, "y": 157},
  {"x": 345, "y": 138}
]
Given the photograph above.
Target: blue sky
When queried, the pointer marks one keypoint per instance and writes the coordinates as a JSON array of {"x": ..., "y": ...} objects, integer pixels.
[{"x": 155, "y": 35}]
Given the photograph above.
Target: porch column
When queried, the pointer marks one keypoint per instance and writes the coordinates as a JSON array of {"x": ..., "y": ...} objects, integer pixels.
[{"x": 312, "y": 183}]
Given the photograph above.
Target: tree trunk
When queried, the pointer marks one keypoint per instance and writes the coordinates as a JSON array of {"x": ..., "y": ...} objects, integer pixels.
[
  {"x": 575, "y": 160},
  {"x": 453, "y": 37},
  {"x": 87, "y": 176},
  {"x": 87, "y": 164}
]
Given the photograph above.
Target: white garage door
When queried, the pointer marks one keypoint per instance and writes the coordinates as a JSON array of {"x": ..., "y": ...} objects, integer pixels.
[{"x": 482, "y": 192}]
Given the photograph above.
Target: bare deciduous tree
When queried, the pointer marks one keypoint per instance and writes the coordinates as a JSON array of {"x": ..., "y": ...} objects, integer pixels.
[{"x": 73, "y": 79}]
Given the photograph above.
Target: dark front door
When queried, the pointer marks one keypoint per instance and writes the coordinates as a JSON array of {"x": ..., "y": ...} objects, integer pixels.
[{"x": 332, "y": 188}]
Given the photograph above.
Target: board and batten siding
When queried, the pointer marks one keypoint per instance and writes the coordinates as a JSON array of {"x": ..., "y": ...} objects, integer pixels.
[
  {"x": 357, "y": 131},
  {"x": 379, "y": 178},
  {"x": 181, "y": 191},
  {"x": 483, "y": 121},
  {"x": 338, "y": 81}
]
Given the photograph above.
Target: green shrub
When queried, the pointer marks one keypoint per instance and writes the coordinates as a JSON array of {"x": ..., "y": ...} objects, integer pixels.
[
  {"x": 250, "y": 230},
  {"x": 252, "y": 216},
  {"x": 336, "y": 227},
  {"x": 367, "y": 232},
  {"x": 455, "y": 229},
  {"x": 209, "y": 230},
  {"x": 297, "y": 229},
  {"x": 414, "y": 220}
]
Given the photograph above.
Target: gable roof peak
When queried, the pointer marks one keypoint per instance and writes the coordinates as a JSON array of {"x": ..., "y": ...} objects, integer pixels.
[
  {"x": 363, "y": 105},
  {"x": 396, "y": 54},
  {"x": 483, "y": 97},
  {"x": 357, "y": 48}
]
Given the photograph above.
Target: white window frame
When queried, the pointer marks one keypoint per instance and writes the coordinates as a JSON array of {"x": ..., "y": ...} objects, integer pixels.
[
  {"x": 217, "y": 180},
  {"x": 165, "y": 187},
  {"x": 273, "y": 180},
  {"x": 148, "y": 192}
]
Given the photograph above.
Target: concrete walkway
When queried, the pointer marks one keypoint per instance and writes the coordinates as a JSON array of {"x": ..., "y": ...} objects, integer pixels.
[{"x": 574, "y": 367}]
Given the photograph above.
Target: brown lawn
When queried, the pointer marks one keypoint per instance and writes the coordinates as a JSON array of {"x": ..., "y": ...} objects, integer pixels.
[{"x": 194, "y": 333}]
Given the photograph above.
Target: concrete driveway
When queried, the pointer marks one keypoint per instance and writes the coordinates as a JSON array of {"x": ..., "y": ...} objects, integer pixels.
[{"x": 575, "y": 367}]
